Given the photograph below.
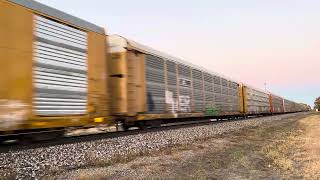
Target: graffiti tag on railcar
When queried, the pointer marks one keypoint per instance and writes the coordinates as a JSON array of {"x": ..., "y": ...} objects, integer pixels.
[{"x": 184, "y": 102}]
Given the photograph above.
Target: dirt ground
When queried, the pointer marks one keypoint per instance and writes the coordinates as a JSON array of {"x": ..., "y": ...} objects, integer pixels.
[{"x": 287, "y": 149}]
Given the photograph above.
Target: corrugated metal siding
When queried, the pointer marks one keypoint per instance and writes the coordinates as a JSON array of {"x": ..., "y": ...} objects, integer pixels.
[
  {"x": 36, "y": 6},
  {"x": 208, "y": 89},
  {"x": 60, "y": 72},
  {"x": 60, "y": 33},
  {"x": 222, "y": 105},
  {"x": 218, "y": 99},
  {"x": 258, "y": 102},
  {"x": 198, "y": 97},
  {"x": 234, "y": 90},
  {"x": 172, "y": 103},
  {"x": 277, "y": 104},
  {"x": 289, "y": 106},
  {"x": 185, "y": 88},
  {"x": 155, "y": 84},
  {"x": 221, "y": 94}
]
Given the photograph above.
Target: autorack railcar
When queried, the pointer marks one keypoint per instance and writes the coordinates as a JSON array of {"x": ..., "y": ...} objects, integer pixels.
[
  {"x": 57, "y": 71},
  {"x": 276, "y": 104},
  {"x": 289, "y": 106},
  {"x": 53, "y": 68},
  {"x": 148, "y": 84},
  {"x": 255, "y": 101}
]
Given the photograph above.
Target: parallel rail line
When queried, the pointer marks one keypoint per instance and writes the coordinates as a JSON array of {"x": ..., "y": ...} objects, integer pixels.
[{"x": 105, "y": 135}]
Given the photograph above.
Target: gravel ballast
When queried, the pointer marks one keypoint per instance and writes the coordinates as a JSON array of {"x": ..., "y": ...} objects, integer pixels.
[{"x": 37, "y": 163}]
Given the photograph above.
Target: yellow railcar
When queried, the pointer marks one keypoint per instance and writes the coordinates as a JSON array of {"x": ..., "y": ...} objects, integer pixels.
[
  {"x": 53, "y": 70},
  {"x": 57, "y": 71}
]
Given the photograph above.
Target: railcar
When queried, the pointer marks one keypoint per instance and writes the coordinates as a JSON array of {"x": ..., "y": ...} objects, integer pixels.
[
  {"x": 147, "y": 84},
  {"x": 305, "y": 107},
  {"x": 289, "y": 106},
  {"x": 53, "y": 69},
  {"x": 276, "y": 104},
  {"x": 59, "y": 71},
  {"x": 255, "y": 101},
  {"x": 301, "y": 107}
]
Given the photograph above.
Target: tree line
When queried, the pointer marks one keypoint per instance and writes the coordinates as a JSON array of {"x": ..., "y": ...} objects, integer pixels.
[{"x": 317, "y": 103}]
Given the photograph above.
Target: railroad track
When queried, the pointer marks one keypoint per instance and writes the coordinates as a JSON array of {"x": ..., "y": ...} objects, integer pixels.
[
  {"x": 41, "y": 159},
  {"x": 99, "y": 136}
]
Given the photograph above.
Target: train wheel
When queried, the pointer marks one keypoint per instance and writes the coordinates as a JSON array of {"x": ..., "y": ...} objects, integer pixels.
[
  {"x": 142, "y": 125},
  {"x": 2, "y": 139},
  {"x": 125, "y": 126}
]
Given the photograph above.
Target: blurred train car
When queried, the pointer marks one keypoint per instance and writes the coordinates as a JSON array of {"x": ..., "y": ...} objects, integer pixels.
[
  {"x": 255, "y": 102},
  {"x": 289, "y": 106},
  {"x": 53, "y": 69},
  {"x": 276, "y": 104},
  {"x": 302, "y": 107},
  {"x": 57, "y": 71},
  {"x": 147, "y": 84}
]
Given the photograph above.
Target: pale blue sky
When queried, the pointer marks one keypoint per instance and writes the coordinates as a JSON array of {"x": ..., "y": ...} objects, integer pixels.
[{"x": 274, "y": 41}]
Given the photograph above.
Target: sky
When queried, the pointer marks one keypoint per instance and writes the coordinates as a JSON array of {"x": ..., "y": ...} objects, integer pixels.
[{"x": 272, "y": 42}]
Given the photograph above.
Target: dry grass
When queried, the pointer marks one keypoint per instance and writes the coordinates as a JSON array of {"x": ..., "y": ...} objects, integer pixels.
[
  {"x": 251, "y": 153},
  {"x": 311, "y": 145},
  {"x": 240, "y": 157},
  {"x": 85, "y": 176},
  {"x": 278, "y": 151}
]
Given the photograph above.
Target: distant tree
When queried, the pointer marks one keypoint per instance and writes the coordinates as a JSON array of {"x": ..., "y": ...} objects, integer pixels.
[{"x": 317, "y": 103}]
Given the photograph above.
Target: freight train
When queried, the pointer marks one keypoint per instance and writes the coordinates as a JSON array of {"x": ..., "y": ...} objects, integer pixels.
[{"x": 59, "y": 71}]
